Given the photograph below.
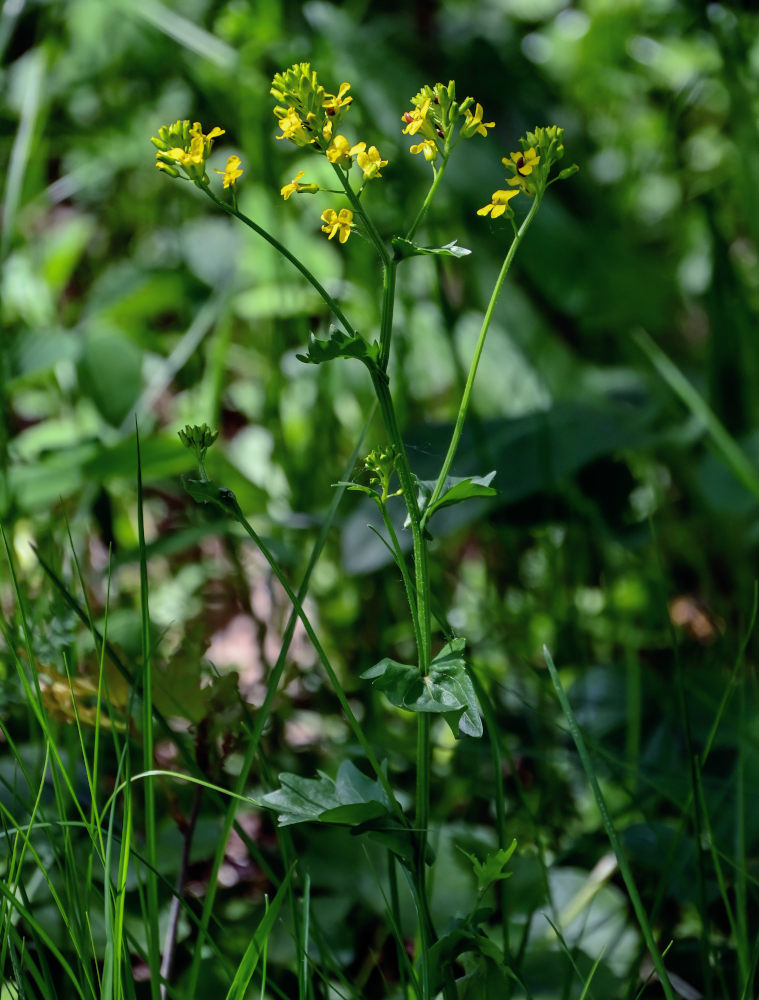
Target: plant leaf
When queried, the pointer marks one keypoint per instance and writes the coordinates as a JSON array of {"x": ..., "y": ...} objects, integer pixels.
[
  {"x": 490, "y": 871},
  {"x": 351, "y": 799},
  {"x": 339, "y": 345},
  {"x": 447, "y": 689},
  {"x": 456, "y": 490},
  {"x": 405, "y": 248}
]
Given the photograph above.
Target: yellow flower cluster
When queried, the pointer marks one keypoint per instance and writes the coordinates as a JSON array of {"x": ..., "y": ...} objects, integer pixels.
[
  {"x": 184, "y": 148},
  {"x": 528, "y": 169},
  {"x": 309, "y": 116},
  {"x": 436, "y": 116}
]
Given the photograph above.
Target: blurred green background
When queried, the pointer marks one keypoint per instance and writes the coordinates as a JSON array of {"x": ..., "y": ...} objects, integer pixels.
[{"x": 621, "y": 538}]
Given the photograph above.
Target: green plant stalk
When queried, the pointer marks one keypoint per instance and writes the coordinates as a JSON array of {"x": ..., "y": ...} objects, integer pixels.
[
  {"x": 424, "y": 654},
  {"x": 400, "y": 562},
  {"x": 388, "y": 306},
  {"x": 500, "y": 806},
  {"x": 282, "y": 249},
  {"x": 466, "y": 396},
  {"x": 263, "y": 713},
  {"x": 358, "y": 209},
  {"x": 611, "y": 832},
  {"x": 437, "y": 177},
  {"x": 151, "y": 850},
  {"x": 320, "y": 652}
]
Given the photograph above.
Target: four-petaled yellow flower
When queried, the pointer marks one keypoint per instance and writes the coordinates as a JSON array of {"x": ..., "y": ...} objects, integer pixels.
[
  {"x": 415, "y": 118},
  {"x": 337, "y": 222},
  {"x": 332, "y": 103},
  {"x": 370, "y": 161},
  {"x": 292, "y": 127},
  {"x": 474, "y": 122},
  {"x": 523, "y": 162},
  {"x": 498, "y": 203},
  {"x": 293, "y": 186},
  {"x": 197, "y": 133},
  {"x": 341, "y": 151},
  {"x": 231, "y": 172},
  {"x": 428, "y": 147}
]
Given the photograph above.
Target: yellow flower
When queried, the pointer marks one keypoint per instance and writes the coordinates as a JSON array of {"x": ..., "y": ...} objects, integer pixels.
[
  {"x": 332, "y": 103},
  {"x": 293, "y": 186},
  {"x": 197, "y": 133},
  {"x": 416, "y": 118},
  {"x": 370, "y": 162},
  {"x": 475, "y": 124},
  {"x": 340, "y": 150},
  {"x": 337, "y": 222},
  {"x": 185, "y": 146},
  {"x": 498, "y": 203},
  {"x": 292, "y": 126},
  {"x": 428, "y": 147},
  {"x": 523, "y": 163},
  {"x": 231, "y": 172}
]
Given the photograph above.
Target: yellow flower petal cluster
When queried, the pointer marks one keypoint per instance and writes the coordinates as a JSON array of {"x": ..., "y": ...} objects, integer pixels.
[
  {"x": 428, "y": 148},
  {"x": 184, "y": 148},
  {"x": 231, "y": 172},
  {"x": 332, "y": 103},
  {"x": 416, "y": 118},
  {"x": 306, "y": 112},
  {"x": 337, "y": 223},
  {"x": 340, "y": 151},
  {"x": 292, "y": 126},
  {"x": 474, "y": 124},
  {"x": 295, "y": 186},
  {"x": 369, "y": 160},
  {"x": 523, "y": 162},
  {"x": 498, "y": 203}
]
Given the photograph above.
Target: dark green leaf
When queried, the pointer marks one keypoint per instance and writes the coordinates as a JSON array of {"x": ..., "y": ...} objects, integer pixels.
[
  {"x": 447, "y": 688},
  {"x": 351, "y": 799},
  {"x": 405, "y": 248}
]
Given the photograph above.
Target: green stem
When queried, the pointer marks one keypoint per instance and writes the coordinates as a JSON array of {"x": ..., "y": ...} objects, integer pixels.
[
  {"x": 438, "y": 176},
  {"x": 282, "y": 249},
  {"x": 388, "y": 304},
  {"x": 400, "y": 560},
  {"x": 424, "y": 653},
  {"x": 466, "y": 397},
  {"x": 234, "y": 509},
  {"x": 359, "y": 210}
]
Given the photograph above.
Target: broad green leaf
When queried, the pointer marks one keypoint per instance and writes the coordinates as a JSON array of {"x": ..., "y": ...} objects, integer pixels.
[
  {"x": 339, "y": 345},
  {"x": 349, "y": 800},
  {"x": 405, "y": 248},
  {"x": 447, "y": 689},
  {"x": 456, "y": 490},
  {"x": 110, "y": 373}
]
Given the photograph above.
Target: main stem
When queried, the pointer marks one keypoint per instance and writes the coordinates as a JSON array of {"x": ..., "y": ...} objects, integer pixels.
[{"x": 424, "y": 653}]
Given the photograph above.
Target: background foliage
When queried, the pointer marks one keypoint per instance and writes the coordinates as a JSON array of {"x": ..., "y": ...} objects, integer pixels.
[{"x": 622, "y": 536}]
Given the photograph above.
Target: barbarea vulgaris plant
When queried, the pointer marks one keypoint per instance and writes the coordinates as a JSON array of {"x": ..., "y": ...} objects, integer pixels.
[{"x": 441, "y": 680}]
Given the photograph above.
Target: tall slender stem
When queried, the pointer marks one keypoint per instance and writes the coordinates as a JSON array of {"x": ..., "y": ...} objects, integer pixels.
[
  {"x": 388, "y": 305},
  {"x": 465, "y": 399},
  {"x": 282, "y": 249},
  {"x": 359, "y": 209},
  {"x": 438, "y": 176}
]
